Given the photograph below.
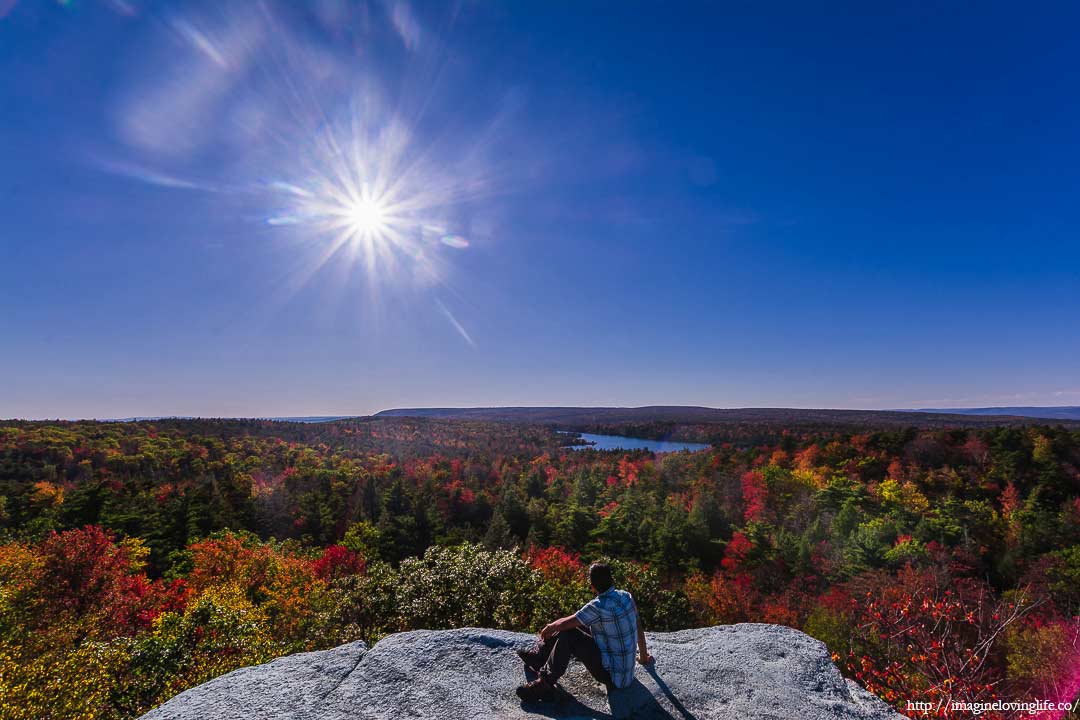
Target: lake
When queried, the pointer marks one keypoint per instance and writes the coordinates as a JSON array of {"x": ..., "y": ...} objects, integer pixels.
[{"x": 618, "y": 442}]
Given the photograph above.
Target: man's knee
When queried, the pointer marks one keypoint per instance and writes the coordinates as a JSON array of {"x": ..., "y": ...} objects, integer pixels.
[{"x": 577, "y": 635}]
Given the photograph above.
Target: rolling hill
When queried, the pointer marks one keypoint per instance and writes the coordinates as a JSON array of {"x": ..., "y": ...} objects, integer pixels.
[{"x": 590, "y": 416}]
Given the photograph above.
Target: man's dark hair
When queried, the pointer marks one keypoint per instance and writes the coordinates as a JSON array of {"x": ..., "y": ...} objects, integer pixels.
[{"x": 600, "y": 577}]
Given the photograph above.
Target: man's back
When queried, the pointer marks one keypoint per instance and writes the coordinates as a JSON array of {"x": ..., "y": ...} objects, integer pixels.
[{"x": 612, "y": 619}]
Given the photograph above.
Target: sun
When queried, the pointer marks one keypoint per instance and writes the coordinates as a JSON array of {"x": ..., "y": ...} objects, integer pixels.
[{"x": 366, "y": 217}]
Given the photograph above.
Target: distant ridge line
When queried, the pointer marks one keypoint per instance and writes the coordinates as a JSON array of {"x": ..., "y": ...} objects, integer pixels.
[
  {"x": 579, "y": 416},
  {"x": 1053, "y": 412}
]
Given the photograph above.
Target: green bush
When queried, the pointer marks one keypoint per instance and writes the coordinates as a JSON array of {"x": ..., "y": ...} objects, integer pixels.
[{"x": 467, "y": 586}]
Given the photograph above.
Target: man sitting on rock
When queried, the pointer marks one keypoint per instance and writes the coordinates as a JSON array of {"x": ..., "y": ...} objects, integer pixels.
[{"x": 601, "y": 635}]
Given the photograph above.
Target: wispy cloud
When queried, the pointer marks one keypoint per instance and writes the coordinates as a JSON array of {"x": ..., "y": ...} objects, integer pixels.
[
  {"x": 199, "y": 40},
  {"x": 154, "y": 177},
  {"x": 404, "y": 21}
]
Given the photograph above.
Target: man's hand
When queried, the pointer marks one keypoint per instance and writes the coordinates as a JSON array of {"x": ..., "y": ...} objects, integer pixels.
[
  {"x": 567, "y": 623},
  {"x": 645, "y": 658}
]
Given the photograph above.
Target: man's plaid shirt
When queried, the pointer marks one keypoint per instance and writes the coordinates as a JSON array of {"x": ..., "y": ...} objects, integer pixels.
[{"x": 612, "y": 619}]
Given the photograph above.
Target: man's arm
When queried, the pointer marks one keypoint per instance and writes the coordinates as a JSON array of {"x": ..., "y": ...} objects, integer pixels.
[
  {"x": 643, "y": 651},
  {"x": 567, "y": 623}
]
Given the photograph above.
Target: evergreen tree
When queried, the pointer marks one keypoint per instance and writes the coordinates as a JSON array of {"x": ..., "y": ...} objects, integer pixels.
[{"x": 498, "y": 536}]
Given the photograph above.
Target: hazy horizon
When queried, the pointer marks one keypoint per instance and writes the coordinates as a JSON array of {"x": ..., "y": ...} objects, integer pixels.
[{"x": 331, "y": 416}]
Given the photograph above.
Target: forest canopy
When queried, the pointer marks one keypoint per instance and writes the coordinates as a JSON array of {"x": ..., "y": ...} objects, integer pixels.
[{"x": 138, "y": 559}]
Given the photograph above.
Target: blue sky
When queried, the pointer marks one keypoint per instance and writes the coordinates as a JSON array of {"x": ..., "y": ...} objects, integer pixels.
[{"x": 723, "y": 204}]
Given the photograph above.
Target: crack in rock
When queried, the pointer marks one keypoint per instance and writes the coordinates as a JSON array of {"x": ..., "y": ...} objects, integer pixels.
[{"x": 344, "y": 677}]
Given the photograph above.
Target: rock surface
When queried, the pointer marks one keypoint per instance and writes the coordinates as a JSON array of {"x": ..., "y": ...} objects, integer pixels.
[{"x": 725, "y": 672}]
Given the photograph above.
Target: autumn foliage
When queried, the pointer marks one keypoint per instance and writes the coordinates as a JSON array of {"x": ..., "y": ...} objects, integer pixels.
[{"x": 139, "y": 559}]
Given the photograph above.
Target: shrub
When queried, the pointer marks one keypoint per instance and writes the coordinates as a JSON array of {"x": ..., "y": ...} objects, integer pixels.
[{"x": 465, "y": 586}]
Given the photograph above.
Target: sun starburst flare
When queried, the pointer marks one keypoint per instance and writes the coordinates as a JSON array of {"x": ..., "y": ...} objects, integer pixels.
[{"x": 363, "y": 199}]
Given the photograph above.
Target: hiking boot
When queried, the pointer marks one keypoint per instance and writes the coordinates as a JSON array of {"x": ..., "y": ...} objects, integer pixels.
[
  {"x": 539, "y": 690},
  {"x": 533, "y": 659}
]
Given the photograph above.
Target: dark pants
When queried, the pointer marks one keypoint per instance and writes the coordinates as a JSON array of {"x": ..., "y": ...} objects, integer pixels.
[{"x": 576, "y": 643}]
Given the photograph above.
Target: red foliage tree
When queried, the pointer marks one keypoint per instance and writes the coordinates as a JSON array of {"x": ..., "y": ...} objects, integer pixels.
[
  {"x": 736, "y": 551},
  {"x": 338, "y": 561},
  {"x": 724, "y": 598},
  {"x": 926, "y": 635},
  {"x": 96, "y": 582},
  {"x": 755, "y": 494},
  {"x": 557, "y": 564}
]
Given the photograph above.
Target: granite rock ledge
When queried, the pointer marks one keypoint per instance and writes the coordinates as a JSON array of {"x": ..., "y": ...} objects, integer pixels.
[{"x": 726, "y": 672}]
